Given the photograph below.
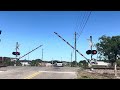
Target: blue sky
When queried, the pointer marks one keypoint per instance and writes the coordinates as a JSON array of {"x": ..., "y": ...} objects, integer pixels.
[{"x": 33, "y": 28}]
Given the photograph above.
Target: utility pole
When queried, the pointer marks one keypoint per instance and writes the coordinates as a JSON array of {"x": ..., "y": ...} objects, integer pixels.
[
  {"x": 28, "y": 54},
  {"x": 115, "y": 67},
  {"x": 75, "y": 50},
  {"x": 72, "y": 47},
  {"x": 42, "y": 54},
  {"x": 91, "y": 45},
  {"x": 71, "y": 59},
  {"x": 16, "y": 51},
  {"x": 91, "y": 50},
  {"x": 61, "y": 59},
  {"x": 0, "y": 33},
  {"x": 52, "y": 61}
]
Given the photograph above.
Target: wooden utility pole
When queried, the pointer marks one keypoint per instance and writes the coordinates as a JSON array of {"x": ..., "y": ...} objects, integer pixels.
[
  {"x": 115, "y": 66},
  {"x": 42, "y": 54},
  {"x": 52, "y": 61},
  {"x": 91, "y": 45},
  {"x": 75, "y": 50},
  {"x": 71, "y": 59},
  {"x": 17, "y": 47}
]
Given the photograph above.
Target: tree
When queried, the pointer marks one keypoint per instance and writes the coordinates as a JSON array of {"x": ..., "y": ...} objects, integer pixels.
[
  {"x": 109, "y": 47},
  {"x": 54, "y": 61},
  {"x": 36, "y": 62},
  {"x": 118, "y": 62},
  {"x": 74, "y": 63},
  {"x": 7, "y": 61},
  {"x": 83, "y": 64}
]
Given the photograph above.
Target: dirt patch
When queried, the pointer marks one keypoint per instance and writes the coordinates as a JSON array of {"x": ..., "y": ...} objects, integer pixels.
[{"x": 83, "y": 74}]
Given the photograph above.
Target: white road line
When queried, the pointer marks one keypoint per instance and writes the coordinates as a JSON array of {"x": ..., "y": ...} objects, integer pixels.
[
  {"x": 56, "y": 72},
  {"x": 1, "y": 71}
]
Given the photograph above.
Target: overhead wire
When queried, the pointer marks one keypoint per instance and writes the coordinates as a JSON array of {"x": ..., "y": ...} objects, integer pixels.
[
  {"x": 78, "y": 19},
  {"x": 82, "y": 21},
  {"x": 84, "y": 24}
]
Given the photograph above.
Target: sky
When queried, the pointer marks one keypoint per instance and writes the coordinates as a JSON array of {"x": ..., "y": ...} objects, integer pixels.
[{"x": 33, "y": 28}]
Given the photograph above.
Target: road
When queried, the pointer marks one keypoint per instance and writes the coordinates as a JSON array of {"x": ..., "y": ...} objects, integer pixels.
[{"x": 28, "y": 72}]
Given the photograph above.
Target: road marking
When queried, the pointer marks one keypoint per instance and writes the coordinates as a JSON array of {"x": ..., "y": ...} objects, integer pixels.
[
  {"x": 1, "y": 71},
  {"x": 56, "y": 72},
  {"x": 33, "y": 75}
]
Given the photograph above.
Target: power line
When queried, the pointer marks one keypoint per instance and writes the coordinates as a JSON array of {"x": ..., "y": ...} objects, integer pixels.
[
  {"x": 84, "y": 24},
  {"x": 80, "y": 26},
  {"x": 78, "y": 21},
  {"x": 82, "y": 21},
  {"x": 42, "y": 54}
]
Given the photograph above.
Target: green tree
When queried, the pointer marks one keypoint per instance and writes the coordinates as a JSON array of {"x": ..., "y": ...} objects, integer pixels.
[
  {"x": 83, "y": 64},
  {"x": 33, "y": 63},
  {"x": 36, "y": 62},
  {"x": 7, "y": 61},
  {"x": 73, "y": 63},
  {"x": 109, "y": 47},
  {"x": 118, "y": 62}
]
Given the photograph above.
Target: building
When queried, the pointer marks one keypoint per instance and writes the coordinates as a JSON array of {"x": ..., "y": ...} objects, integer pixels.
[
  {"x": 25, "y": 62},
  {"x": 42, "y": 64},
  {"x": 48, "y": 65},
  {"x": 6, "y": 61},
  {"x": 100, "y": 63}
]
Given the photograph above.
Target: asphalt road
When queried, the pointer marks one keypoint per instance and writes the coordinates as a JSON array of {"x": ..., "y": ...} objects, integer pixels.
[{"x": 28, "y": 72}]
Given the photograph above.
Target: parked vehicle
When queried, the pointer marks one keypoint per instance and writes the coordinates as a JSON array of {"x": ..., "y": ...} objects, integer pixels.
[
  {"x": 100, "y": 64},
  {"x": 59, "y": 64}
]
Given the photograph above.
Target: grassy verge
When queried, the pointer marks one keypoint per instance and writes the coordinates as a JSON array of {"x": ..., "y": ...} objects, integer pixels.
[{"x": 82, "y": 74}]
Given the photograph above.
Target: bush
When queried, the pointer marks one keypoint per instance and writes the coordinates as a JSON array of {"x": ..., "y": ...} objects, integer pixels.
[{"x": 118, "y": 62}]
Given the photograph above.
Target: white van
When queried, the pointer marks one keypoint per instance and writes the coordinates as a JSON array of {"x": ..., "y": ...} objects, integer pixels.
[
  {"x": 101, "y": 63},
  {"x": 59, "y": 64}
]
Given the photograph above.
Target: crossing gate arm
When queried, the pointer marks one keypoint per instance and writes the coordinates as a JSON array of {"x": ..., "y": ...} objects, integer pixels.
[
  {"x": 29, "y": 52},
  {"x": 71, "y": 46}
]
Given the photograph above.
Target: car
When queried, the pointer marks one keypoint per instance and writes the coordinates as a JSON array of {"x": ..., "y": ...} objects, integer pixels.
[{"x": 59, "y": 64}]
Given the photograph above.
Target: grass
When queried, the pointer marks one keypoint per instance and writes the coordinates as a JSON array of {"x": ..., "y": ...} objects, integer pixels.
[{"x": 82, "y": 74}]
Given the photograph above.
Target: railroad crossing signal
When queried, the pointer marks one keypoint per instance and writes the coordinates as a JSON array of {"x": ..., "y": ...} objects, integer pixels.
[
  {"x": 94, "y": 52},
  {"x": 91, "y": 52},
  {"x": 16, "y": 53},
  {"x": 88, "y": 52}
]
